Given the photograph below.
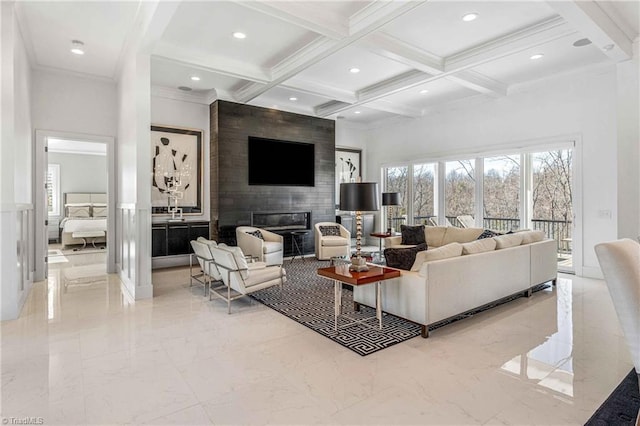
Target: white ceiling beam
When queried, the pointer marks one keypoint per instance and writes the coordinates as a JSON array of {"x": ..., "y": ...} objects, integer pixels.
[
  {"x": 534, "y": 35},
  {"x": 391, "y": 48},
  {"x": 310, "y": 16},
  {"x": 592, "y": 21},
  {"x": 394, "y": 108},
  {"x": 397, "y": 50},
  {"x": 207, "y": 62},
  {"x": 370, "y": 19},
  {"x": 320, "y": 89},
  {"x": 480, "y": 83}
]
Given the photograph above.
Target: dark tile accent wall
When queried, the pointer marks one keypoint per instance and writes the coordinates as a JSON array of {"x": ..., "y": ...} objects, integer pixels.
[{"x": 233, "y": 199}]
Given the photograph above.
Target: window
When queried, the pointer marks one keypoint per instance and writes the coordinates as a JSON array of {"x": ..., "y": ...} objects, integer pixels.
[
  {"x": 459, "y": 190},
  {"x": 424, "y": 194},
  {"x": 53, "y": 189},
  {"x": 501, "y": 193},
  {"x": 396, "y": 179}
]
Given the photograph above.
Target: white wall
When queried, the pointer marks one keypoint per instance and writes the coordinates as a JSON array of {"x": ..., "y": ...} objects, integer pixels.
[
  {"x": 582, "y": 105},
  {"x": 172, "y": 112},
  {"x": 75, "y": 104},
  {"x": 80, "y": 172},
  {"x": 16, "y": 204}
]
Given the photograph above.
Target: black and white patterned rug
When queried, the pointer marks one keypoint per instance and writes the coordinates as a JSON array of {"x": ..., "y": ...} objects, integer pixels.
[{"x": 308, "y": 299}]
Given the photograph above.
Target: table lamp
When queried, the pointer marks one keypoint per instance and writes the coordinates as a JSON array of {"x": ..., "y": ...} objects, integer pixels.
[
  {"x": 359, "y": 197},
  {"x": 390, "y": 199}
]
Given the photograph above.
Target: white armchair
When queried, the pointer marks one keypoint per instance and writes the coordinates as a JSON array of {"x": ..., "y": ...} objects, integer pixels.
[
  {"x": 268, "y": 249},
  {"x": 331, "y": 240},
  {"x": 241, "y": 277},
  {"x": 620, "y": 263},
  {"x": 208, "y": 273}
]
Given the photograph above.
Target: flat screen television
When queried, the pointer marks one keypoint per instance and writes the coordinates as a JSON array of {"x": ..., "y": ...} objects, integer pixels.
[{"x": 277, "y": 162}]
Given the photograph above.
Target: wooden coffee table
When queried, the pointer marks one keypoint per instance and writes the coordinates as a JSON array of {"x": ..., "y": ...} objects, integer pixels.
[{"x": 341, "y": 274}]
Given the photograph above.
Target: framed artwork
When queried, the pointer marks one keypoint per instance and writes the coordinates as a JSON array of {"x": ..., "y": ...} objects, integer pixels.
[
  {"x": 348, "y": 168},
  {"x": 176, "y": 169}
]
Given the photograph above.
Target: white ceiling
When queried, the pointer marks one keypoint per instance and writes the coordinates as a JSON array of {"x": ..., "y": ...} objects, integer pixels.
[{"x": 305, "y": 49}]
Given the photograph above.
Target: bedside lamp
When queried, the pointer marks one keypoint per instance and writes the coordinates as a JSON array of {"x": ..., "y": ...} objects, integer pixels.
[
  {"x": 359, "y": 197},
  {"x": 390, "y": 199}
]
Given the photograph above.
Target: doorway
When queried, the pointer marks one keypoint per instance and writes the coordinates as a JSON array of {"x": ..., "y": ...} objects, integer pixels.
[{"x": 78, "y": 202}]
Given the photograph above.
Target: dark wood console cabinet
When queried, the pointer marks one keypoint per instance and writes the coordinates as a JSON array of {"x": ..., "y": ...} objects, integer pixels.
[{"x": 173, "y": 238}]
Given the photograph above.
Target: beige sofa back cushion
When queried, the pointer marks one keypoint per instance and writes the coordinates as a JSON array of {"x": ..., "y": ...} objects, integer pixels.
[
  {"x": 434, "y": 235},
  {"x": 461, "y": 235},
  {"x": 508, "y": 240},
  {"x": 529, "y": 237},
  {"x": 479, "y": 246},
  {"x": 439, "y": 253}
]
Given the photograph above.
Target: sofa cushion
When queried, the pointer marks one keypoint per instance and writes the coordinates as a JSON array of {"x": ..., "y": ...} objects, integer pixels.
[
  {"x": 329, "y": 230},
  {"x": 488, "y": 233},
  {"x": 439, "y": 253},
  {"x": 508, "y": 240},
  {"x": 461, "y": 235},
  {"x": 271, "y": 247},
  {"x": 403, "y": 258},
  {"x": 479, "y": 246},
  {"x": 529, "y": 237},
  {"x": 412, "y": 234},
  {"x": 434, "y": 235},
  {"x": 333, "y": 241}
]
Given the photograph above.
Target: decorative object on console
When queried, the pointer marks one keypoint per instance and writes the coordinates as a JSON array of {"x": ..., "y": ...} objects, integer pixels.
[
  {"x": 359, "y": 197},
  {"x": 412, "y": 235},
  {"x": 390, "y": 199},
  {"x": 348, "y": 168},
  {"x": 176, "y": 171},
  {"x": 403, "y": 258}
]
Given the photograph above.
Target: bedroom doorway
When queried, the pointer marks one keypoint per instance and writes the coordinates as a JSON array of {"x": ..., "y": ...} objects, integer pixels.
[{"x": 77, "y": 211}]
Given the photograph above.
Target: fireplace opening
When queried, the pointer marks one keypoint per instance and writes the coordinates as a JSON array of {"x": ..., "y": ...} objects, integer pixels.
[{"x": 281, "y": 221}]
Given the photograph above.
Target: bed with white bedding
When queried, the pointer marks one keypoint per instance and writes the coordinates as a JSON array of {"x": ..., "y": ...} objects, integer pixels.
[{"x": 83, "y": 211}]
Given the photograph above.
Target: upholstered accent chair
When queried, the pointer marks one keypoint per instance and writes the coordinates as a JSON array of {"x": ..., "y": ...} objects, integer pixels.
[
  {"x": 620, "y": 263},
  {"x": 331, "y": 240},
  {"x": 241, "y": 277},
  {"x": 208, "y": 272},
  {"x": 262, "y": 245}
]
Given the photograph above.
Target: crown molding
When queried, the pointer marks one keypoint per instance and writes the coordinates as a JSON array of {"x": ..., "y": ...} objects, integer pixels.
[
  {"x": 87, "y": 76},
  {"x": 180, "y": 95}
]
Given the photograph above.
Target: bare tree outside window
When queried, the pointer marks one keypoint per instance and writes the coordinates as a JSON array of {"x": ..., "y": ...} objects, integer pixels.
[{"x": 459, "y": 189}]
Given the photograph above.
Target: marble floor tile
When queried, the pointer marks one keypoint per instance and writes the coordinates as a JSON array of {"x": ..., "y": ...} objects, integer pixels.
[{"x": 82, "y": 353}]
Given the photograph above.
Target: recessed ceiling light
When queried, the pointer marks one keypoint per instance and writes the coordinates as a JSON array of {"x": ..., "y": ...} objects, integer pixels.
[
  {"x": 77, "y": 47},
  {"x": 293, "y": 98},
  {"x": 239, "y": 35},
  {"x": 537, "y": 56},
  {"x": 184, "y": 88},
  {"x": 356, "y": 112},
  {"x": 608, "y": 47},
  {"x": 582, "y": 42},
  {"x": 195, "y": 78},
  {"x": 469, "y": 17},
  {"x": 423, "y": 91},
  {"x": 354, "y": 70}
]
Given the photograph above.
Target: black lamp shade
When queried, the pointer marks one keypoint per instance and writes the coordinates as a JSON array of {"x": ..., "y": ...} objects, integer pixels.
[
  {"x": 390, "y": 198},
  {"x": 361, "y": 196}
]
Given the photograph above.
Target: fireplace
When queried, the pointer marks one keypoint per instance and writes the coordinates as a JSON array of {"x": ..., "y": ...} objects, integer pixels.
[{"x": 281, "y": 221}]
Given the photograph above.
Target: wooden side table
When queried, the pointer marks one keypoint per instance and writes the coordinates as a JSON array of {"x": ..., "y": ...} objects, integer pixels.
[{"x": 342, "y": 275}]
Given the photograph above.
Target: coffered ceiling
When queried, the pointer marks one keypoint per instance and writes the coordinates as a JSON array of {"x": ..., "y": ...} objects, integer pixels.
[{"x": 414, "y": 57}]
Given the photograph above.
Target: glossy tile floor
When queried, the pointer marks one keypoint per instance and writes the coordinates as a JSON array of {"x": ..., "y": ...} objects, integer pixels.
[{"x": 82, "y": 354}]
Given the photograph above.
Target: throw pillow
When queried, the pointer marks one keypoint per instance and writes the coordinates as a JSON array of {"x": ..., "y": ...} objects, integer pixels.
[
  {"x": 403, "y": 258},
  {"x": 99, "y": 211},
  {"x": 412, "y": 235},
  {"x": 330, "y": 230},
  {"x": 488, "y": 233},
  {"x": 78, "y": 211},
  {"x": 256, "y": 233},
  {"x": 508, "y": 240}
]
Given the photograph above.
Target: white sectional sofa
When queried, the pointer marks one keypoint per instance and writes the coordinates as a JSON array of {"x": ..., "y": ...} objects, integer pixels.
[{"x": 438, "y": 290}]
